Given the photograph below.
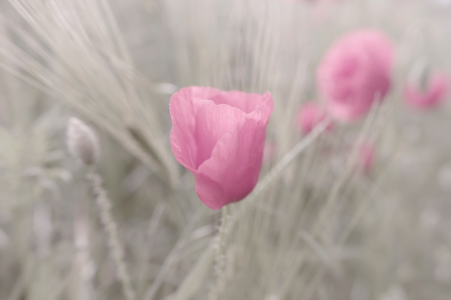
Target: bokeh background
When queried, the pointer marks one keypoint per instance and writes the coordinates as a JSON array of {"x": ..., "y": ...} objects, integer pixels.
[{"x": 321, "y": 229}]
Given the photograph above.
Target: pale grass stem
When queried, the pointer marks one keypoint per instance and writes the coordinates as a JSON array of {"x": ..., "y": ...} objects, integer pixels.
[
  {"x": 116, "y": 249},
  {"x": 171, "y": 258}
]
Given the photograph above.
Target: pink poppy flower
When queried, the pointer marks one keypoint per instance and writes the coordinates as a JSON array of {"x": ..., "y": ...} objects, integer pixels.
[
  {"x": 354, "y": 72},
  {"x": 309, "y": 115},
  {"x": 366, "y": 157},
  {"x": 435, "y": 92},
  {"x": 220, "y": 138}
]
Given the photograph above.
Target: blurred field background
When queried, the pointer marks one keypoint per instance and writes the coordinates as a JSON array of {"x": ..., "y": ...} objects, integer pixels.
[{"x": 320, "y": 230}]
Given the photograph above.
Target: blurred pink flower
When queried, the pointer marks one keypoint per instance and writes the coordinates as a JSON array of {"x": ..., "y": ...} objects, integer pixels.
[
  {"x": 220, "y": 137},
  {"x": 435, "y": 92},
  {"x": 270, "y": 152},
  {"x": 366, "y": 157},
  {"x": 309, "y": 115},
  {"x": 354, "y": 72}
]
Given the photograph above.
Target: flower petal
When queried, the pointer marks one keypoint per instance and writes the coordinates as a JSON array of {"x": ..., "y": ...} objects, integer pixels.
[
  {"x": 212, "y": 122},
  {"x": 236, "y": 160},
  {"x": 247, "y": 102},
  {"x": 183, "y": 110}
]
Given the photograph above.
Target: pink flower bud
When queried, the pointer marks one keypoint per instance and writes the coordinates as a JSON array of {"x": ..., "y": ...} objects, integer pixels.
[
  {"x": 366, "y": 157},
  {"x": 270, "y": 152},
  {"x": 434, "y": 94},
  {"x": 309, "y": 115}
]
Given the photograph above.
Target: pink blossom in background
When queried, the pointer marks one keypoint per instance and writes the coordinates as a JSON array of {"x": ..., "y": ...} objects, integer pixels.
[
  {"x": 309, "y": 115},
  {"x": 434, "y": 94},
  {"x": 366, "y": 157},
  {"x": 270, "y": 152},
  {"x": 220, "y": 138},
  {"x": 354, "y": 72}
]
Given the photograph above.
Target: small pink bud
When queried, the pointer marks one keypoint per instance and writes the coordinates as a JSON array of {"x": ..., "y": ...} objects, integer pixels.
[
  {"x": 270, "y": 152},
  {"x": 434, "y": 93},
  {"x": 309, "y": 115},
  {"x": 366, "y": 157}
]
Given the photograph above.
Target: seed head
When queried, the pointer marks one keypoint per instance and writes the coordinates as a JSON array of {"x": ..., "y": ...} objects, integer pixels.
[{"x": 82, "y": 142}]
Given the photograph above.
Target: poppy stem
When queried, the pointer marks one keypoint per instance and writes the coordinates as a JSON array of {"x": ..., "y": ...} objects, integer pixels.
[{"x": 220, "y": 258}]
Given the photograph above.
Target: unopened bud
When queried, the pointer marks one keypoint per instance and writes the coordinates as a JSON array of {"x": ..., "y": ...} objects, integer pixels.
[{"x": 82, "y": 142}]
